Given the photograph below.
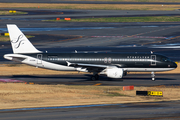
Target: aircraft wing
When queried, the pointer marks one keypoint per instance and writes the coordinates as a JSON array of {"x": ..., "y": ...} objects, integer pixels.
[{"x": 92, "y": 67}]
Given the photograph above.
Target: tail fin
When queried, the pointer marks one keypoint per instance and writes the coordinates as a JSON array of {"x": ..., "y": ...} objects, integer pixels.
[{"x": 19, "y": 42}]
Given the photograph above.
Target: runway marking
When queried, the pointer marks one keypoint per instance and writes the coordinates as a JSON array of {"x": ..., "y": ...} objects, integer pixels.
[
  {"x": 128, "y": 36},
  {"x": 97, "y": 84},
  {"x": 165, "y": 39},
  {"x": 138, "y": 36},
  {"x": 11, "y": 81},
  {"x": 175, "y": 37},
  {"x": 134, "y": 36}
]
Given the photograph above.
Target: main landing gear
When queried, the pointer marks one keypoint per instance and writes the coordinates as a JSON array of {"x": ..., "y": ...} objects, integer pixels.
[
  {"x": 95, "y": 77},
  {"x": 153, "y": 76}
]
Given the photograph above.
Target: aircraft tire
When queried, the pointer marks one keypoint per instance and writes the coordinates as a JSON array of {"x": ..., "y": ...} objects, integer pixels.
[
  {"x": 96, "y": 76},
  {"x": 93, "y": 78}
]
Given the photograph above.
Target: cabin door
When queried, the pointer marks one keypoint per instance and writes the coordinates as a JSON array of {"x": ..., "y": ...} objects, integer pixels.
[
  {"x": 153, "y": 58},
  {"x": 39, "y": 59}
]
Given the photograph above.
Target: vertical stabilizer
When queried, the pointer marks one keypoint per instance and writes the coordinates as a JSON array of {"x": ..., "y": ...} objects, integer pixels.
[{"x": 19, "y": 42}]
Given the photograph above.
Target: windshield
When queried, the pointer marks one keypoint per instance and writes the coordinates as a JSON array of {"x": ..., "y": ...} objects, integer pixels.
[{"x": 165, "y": 59}]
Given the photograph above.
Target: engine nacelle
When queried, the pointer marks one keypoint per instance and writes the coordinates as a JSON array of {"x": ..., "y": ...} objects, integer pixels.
[{"x": 115, "y": 73}]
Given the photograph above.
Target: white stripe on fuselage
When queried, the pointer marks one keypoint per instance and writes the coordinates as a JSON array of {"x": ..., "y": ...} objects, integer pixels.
[
  {"x": 34, "y": 62},
  {"x": 147, "y": 69}
]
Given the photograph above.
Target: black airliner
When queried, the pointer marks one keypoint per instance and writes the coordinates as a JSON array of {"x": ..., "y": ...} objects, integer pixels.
[{"x": 114, "y": 65}]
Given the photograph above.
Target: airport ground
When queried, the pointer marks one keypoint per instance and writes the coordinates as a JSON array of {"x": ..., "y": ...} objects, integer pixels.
[
  {"x": 52, "y": 36},
  {"x": 134, "y": 111}
]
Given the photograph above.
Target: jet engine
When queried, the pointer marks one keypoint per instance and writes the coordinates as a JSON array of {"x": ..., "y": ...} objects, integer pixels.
[{"x": 115, "y": 73}]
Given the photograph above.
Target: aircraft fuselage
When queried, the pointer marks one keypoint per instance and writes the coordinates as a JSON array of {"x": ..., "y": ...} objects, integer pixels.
[{"x": 128, "y": 61}]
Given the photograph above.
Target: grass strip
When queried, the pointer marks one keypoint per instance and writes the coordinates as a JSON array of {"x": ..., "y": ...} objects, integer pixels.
[
  {"x": 132, "y": 0},
  {"x": 92, "y": 6},
  {"x": 8, "y": 13},
  {"x": 20, "y": 95},
  {"x": 127, "y": 19}
]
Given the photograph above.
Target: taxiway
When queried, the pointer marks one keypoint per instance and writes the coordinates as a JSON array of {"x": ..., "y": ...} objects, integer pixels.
[
  {"x": 84, "y": 79},
  {"x": 135, "y": 111}
]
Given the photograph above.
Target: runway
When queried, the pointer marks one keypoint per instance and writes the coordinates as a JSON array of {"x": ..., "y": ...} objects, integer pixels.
[{"x": 135, "y": 111}]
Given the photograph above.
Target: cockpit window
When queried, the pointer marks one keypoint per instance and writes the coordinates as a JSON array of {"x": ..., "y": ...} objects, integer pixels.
[{"x": 165, "y": 60}]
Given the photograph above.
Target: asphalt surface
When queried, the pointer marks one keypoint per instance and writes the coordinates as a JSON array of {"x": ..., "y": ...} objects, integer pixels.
[
  {"x": 99, "y": 37},
  {"x": 135, "y": 111},
  {"x": 46, "y": 14},
  {"x": 84, "y": 79},
  {"x": 83, "y": 2},
  {"x": 117, "y": 37}
]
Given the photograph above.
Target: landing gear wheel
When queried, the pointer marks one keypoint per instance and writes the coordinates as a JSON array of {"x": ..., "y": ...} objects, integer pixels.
[
  {"x": 96, "y": 76},
  {"x": 153, "y": 76},
  {"x": 93, "y": 78}
]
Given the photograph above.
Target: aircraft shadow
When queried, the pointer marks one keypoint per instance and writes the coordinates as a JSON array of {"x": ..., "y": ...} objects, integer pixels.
[{"x": 86, "y": 77}]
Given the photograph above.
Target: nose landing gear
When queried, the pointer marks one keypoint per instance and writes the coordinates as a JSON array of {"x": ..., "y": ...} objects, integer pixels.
[{"x": 153, "y": 76}]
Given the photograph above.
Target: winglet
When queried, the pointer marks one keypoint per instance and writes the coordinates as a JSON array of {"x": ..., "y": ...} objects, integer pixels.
[{"x": 19, "y": 42}]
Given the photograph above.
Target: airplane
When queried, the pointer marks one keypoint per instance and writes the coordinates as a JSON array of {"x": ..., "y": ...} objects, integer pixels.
[{"x": 113, "y": 65}]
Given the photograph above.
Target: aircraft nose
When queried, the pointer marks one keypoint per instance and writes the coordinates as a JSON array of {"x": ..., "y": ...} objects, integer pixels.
[{"x": 174, "y": 65}]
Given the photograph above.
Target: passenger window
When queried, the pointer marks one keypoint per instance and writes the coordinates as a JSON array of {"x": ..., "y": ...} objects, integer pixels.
[{"x": 52, "y": 57}]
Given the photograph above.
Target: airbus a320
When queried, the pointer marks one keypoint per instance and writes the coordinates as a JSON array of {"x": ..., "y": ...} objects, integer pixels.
[{"x": 114, "y": 65}]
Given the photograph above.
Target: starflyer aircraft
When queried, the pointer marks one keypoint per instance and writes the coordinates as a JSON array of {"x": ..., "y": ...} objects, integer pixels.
[{"x": 114, "y": 65}]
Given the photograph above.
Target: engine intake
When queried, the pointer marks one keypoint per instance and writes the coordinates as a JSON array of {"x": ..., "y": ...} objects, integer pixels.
[{"x": 115, "y": 73}]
